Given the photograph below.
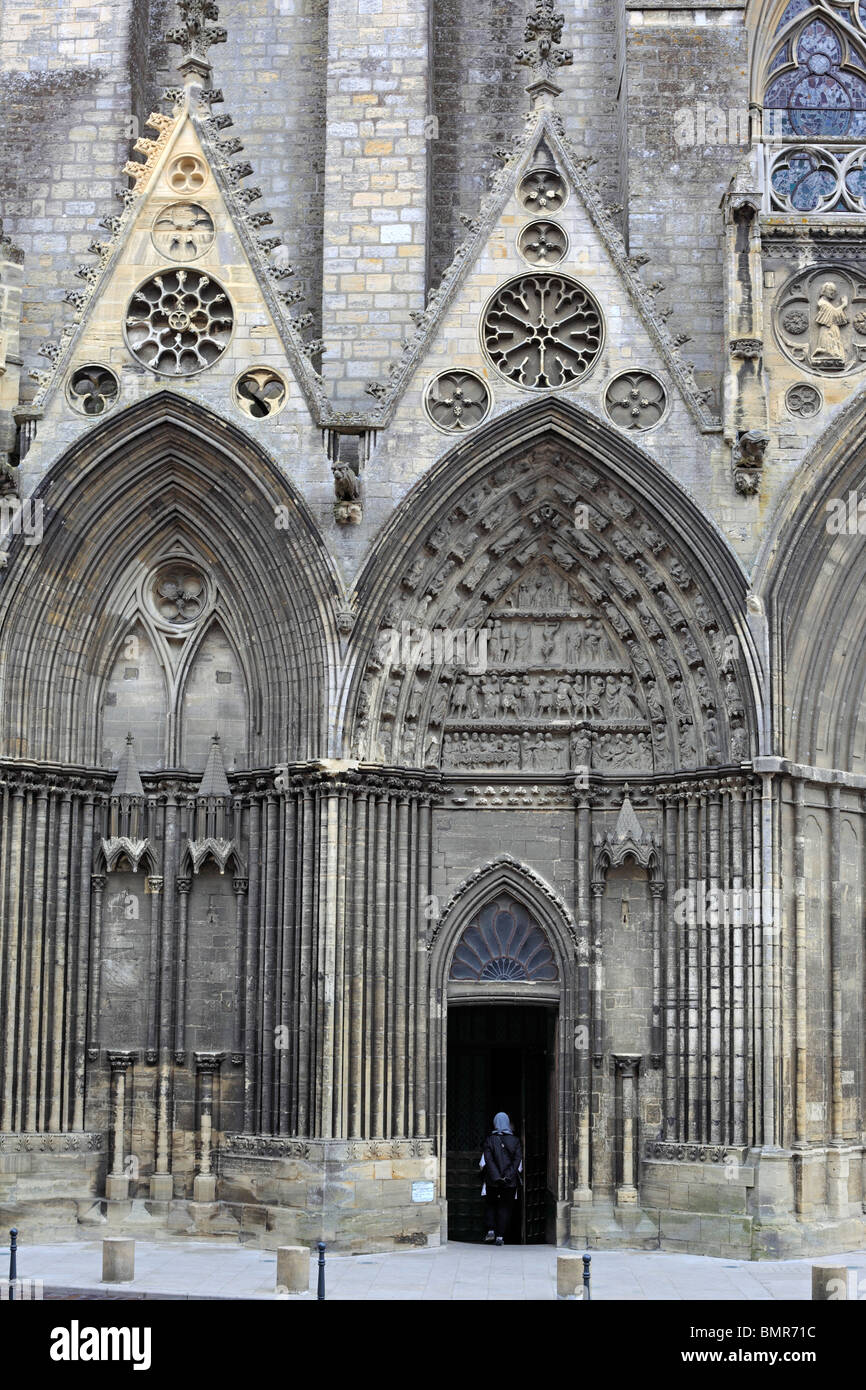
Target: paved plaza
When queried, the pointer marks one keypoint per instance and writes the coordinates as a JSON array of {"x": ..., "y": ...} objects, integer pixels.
[{"x": 200, "y": 1269}]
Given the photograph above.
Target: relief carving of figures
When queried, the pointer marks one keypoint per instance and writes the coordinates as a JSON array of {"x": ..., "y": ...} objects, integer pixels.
[
  {"x": 739, "y": 744},
  {"x": 820, "y": 319},
  {"x": 549, "y": 643},
  {"x": 830, "y": 316}
]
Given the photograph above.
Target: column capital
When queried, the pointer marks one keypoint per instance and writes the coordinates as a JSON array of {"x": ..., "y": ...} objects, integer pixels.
[{"x": 121, "y": 1061}]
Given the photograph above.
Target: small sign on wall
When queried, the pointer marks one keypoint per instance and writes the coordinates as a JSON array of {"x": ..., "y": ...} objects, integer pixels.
[{"x": 423, "y": 1192}]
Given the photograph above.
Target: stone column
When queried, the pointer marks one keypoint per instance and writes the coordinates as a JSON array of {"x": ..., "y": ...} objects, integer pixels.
[
  {"x": 627, "y": 1067},
  {"x": 239, "y": 887},
  {"x": 183, "y": 889},
  {"x": 117, "y": 1182},
  {"x": 600, "y": 1169},
  {"x": 207, "y": 1066},
  {"x": 656, "y": 891},
  {"x": 583, "y": 1186},
  {"x": 97, "y": 886},
  {"x": 672, "y": 1120}
]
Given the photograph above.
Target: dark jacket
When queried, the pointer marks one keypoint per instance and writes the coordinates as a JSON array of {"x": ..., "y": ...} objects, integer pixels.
[{"x": 502, "y": 1160}]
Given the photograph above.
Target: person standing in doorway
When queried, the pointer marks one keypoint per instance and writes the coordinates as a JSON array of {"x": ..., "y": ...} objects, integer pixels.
[{"x": 502, "y": 1162}]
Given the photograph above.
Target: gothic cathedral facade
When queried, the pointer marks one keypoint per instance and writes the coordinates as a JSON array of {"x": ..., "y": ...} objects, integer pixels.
[{"x": 431, "y": 534}]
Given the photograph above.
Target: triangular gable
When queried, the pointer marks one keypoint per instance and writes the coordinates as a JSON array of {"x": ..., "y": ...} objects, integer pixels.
[
  {"x": 543, "y": 127},
  {"x": 192, "y": 128}
]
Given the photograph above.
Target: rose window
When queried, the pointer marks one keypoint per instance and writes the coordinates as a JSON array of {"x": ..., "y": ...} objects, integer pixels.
[
  {"x": 179, "y": 322},
  {"x": 543, "y": 330},
  {"x": 635, "y": 401},
  {"x": 457, "y": 400},
  {"x": 92, "y": 389},
  {"x": 503, "y": 944}
]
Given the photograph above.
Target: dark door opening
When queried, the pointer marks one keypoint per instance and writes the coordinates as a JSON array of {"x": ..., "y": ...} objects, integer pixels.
[{"x": 500, "y": 1057}]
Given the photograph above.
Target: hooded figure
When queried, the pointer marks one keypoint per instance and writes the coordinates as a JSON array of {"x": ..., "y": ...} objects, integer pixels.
[{"x": 502, "y": 1161}]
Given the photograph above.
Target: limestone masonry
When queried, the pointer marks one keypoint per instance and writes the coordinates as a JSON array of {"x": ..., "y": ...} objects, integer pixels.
[{"x": 432, "y": 645}]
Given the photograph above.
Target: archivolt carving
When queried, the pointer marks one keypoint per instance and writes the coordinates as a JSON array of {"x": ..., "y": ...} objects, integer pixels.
[
  {"x": 506, "y": 872},
  {"x": 542, "y": 624}
]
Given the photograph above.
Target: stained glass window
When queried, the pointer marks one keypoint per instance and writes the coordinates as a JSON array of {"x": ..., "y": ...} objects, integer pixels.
[
  {"x": 502, "y": 944},
  {"x": 817, "y": 71}
]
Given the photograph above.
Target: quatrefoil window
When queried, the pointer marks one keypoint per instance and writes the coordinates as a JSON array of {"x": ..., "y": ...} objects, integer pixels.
[
  {"x": 457, "y": 400},
  {"x": 542, "y": 190},
  {"x": 92, "y": 389},
  {"x": 543, "y": 330},
  {"x": 503, "y": 944},
  {"x": 260, "y": 392},
  {"x": 542, "y": 243},
  {"x": 179, "y": 322},
  {"x": 635, "y": 401}
]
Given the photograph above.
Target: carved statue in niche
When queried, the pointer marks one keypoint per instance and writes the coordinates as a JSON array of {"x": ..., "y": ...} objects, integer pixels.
[
  {"x": 739, "y": 744},
  {"x": 830, "y": 316}
]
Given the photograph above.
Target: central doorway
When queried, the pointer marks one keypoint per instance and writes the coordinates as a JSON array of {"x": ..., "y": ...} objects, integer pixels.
[{"x": 501, "y": 1057}]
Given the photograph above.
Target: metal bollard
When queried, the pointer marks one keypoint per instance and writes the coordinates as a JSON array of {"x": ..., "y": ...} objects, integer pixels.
[
  {"x": 13, "y": 1261},
  {"x": 586, "y": 1292},
  {"x": 321, "y": 1288}
]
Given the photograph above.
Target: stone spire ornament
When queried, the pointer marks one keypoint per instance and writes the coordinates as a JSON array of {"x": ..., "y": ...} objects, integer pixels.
[
  {"x": 543, "y": 54},
  {"x": 195, "y": 35}
]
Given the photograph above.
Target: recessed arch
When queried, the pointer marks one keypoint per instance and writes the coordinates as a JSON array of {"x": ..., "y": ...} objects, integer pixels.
[
  {"x": 115, "y": 503},
  {"x": 810, "y": 573},
  {"x": 648, "y": 571}
]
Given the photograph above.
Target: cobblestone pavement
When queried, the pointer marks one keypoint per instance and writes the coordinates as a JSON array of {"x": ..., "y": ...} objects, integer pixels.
[{"x": 200, "y": 1269}]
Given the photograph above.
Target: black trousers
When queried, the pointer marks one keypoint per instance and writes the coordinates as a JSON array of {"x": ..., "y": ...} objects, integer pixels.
[{"x": 499, "y": 1206}]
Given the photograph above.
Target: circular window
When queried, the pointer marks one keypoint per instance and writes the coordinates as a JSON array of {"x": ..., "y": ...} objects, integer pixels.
[
  {"x": 260, "y": 392},
  {"x": 177, "y": 593},
  {"x": 635, "y": 400},
  {"x": 803, "y": 400},
  {"x": 457, "y": 400},
  {"x": 542, "y": 243},
  {"x": 542, "y": 190},
  {"x": 543, "y": 331},
  {"x": 179, "y": 322},
  {"x": 183, "y": 231},
  {"x": 92, "y": 389},
  {"x": 187, "y": 174}
]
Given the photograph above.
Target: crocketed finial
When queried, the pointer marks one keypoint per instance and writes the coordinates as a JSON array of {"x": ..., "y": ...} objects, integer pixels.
[
  {"x": 543, "y": 54},
  {"x": 195, "y": 35}
]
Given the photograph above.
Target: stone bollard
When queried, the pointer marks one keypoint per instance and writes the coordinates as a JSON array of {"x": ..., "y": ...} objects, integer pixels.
[
  {"x": 569, "y": 1275},
  {"x": 830, "y": 1283},
  {"x": 293, "y": 1269},
  {"x": 118, "y": 1260}
]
